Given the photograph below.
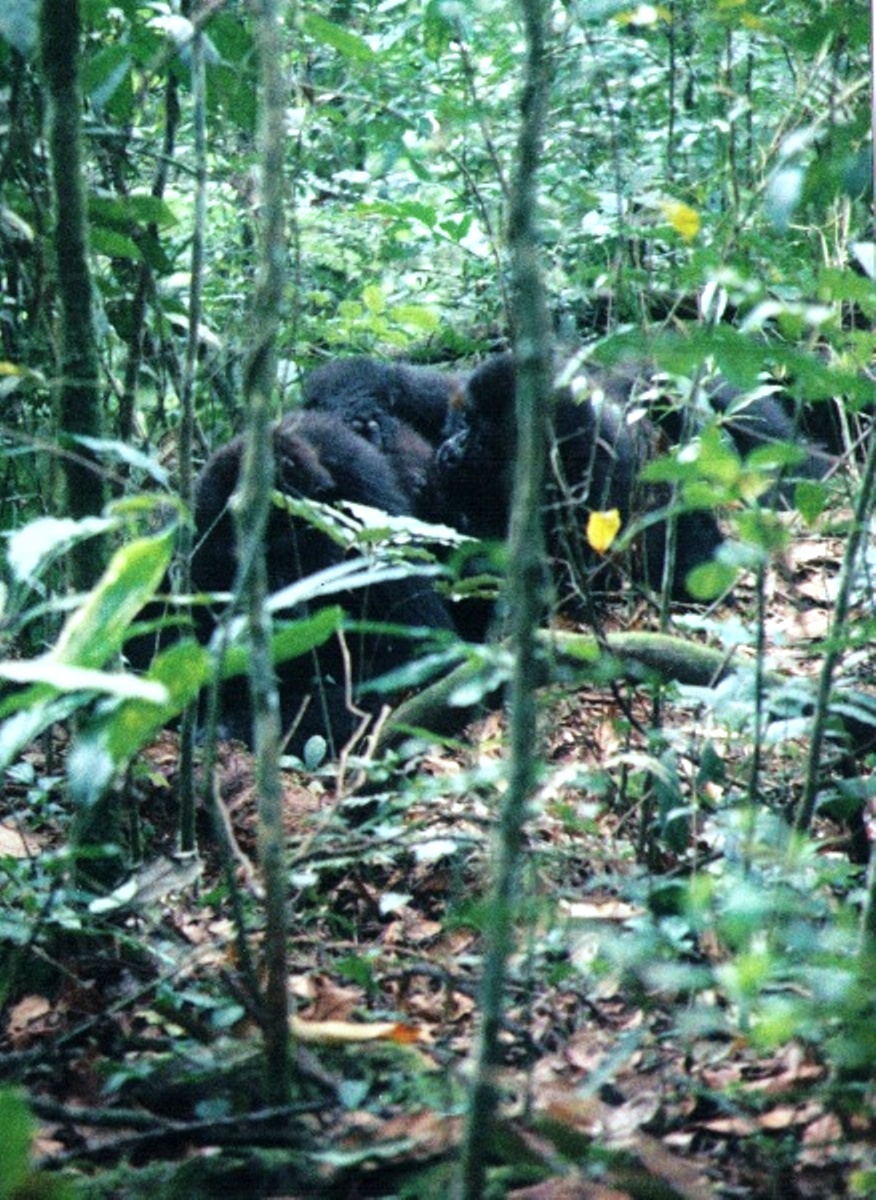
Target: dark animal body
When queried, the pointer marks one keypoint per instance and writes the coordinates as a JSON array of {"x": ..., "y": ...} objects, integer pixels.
[
  {"x": 417, "y": 441},
  {"x": 752, "y": 420},
  {"x": 316, "y": 457},
  {"x": 595, "y": 463},
  {"x": 400, "y": 409}
]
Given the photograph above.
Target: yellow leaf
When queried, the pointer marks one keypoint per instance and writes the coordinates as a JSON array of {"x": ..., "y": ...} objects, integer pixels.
[
  {"x": 334, "y": 1033},
  {"x": 602, "y": 528},
  {"x": 644, "y": 15},
  {"x": 683, "y": 219}
]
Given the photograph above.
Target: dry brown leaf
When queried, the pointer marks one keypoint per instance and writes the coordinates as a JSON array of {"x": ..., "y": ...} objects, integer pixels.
[
  {"x": 626, "y": 1120},
  {"x": 684, "y": 1178},
  {"x": 600, "y": 910},
  {"x": 820, "y": 1140},
  {"x": 329, "y": 1001},
  {"x": 731, "y": 1126},
  {"x": 27, "y": 1020},
  {"x": 13, "y": 844},
  {"x": 622, "y": 1125},
  {"x": 786, "y": 1116},
  {"x": 423, "y": 1135}
]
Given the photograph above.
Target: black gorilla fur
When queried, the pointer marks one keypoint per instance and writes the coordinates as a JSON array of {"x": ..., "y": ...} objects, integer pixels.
[
  {"x": 595, "y": 468},
  {"x": 316, "y": 457},
  {"x": 400, "y": 409}
]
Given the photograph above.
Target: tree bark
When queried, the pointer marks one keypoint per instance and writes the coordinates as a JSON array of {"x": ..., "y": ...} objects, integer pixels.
[
  {"x": 252, "y": 514},
  {"x": 527, "y": 595},
  {"x": 79, "y": 407}
]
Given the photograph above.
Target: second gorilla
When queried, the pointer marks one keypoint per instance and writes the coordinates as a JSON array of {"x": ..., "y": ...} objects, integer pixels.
[{"x": 316, "y": 457}]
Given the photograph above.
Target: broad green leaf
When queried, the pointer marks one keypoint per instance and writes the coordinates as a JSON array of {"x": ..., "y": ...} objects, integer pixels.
[
  {"x": 762, "y": 528},
  {"x": 374, "y": 299},
  {"x": 38, "y": 710},
  {"x": 120, "y": 212},
  {"x": 113, "y": 736},
  {"x": 438, "y": 32},
  {"x": 62, "y": 677},
  {"x": 289, "y": 640},
  {"x": 126, "y": 454},
  {"x": 30, "y": 548},
  {"x": 97, "y": 630},
  {"x": 106, "y": 79},
  {"x": 810, "y": 500},
  {"x": 773, "y": 456},
  {"x": 709, "y": 580},
  {"x": 114, "y": 244},
  {"x": 415, "y": 316},
  {"x": 337, "y": 37}
]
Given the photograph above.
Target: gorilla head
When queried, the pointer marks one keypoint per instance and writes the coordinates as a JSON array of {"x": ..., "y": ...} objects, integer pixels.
[
  {"x": 364, "y": 391},
  {"x": 400, "y": 409},
  {"x": 596, "y": 457}
]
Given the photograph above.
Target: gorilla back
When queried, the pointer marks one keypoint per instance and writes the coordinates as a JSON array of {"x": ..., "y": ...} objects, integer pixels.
[{"x": 316, "y": 457}]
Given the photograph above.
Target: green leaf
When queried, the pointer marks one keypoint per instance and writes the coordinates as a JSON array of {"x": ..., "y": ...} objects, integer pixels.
[
  {"x": 437, "y": 31},
  {"x": 97, "y": 630},
  {"x": 415, "y": 316},
  {"x": 113, "y": 244},
  {"x": 339, "y": 39},
  {"x": 31, "y": 548},
  {"x": 709, "y": 580},
  {"x": 38, "y": 710},
  {"x": 120, "y": 212},
  {"x": 402, "y": 211},
  {"x": 126, "y": 454},
  {"x": 374, "y": 299},
  {"x": 775, "y": 456},
  {"x": 762, "y": 528},
  {"x": 18, "y": 1132},
  {"x": 181, "y": 671},
  {"x": 18, "y": 25},
  {"x": 64, "y": 678},
  {"x": 110, "y": 739},
  {"x": 810, "y": 500},
  {"x": 106, "y": 80},
  {"x": 289, "y": 640}
]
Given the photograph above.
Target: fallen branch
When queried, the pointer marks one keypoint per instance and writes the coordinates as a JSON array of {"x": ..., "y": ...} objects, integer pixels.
[{"x": 449, "y": 703}]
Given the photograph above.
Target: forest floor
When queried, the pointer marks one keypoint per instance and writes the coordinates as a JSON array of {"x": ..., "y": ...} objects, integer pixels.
[{"x": 133, "y": 1030}]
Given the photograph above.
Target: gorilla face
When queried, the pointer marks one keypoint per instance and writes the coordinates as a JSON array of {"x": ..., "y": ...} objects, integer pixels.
[
  {"x": 595, "y": 459},
  {"x": 475, "y": 462}
]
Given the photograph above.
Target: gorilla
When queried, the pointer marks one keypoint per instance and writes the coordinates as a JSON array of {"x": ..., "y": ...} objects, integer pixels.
[
  {"x": 596, "y": 458},
  {"x": 400, "y": 409},
  {"x": 752, "y": 420},
  {"x": 316, "y": 457}
]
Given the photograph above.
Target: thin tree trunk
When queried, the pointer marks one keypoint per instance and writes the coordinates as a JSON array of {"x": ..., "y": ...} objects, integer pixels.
[
  {"x": 187, "y": 421},
  {"x": 79, "y": 408},
  {"x": 253, "y": 511},
  {"x": 527, "y": 593}
]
